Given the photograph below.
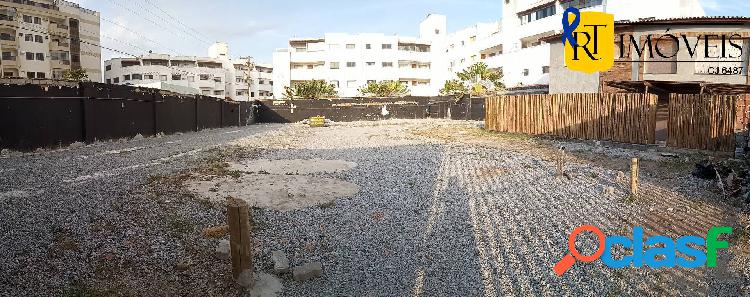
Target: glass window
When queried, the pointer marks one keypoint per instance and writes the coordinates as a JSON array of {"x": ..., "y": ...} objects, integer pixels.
[
  {"x": 137, "y": 76},
  {"x": 387, "y": 46},
  {"x": 334, "y": 65},
  {"x": 38, "y": 38},
  {"x": 351, "y": 46},
  {"x": 351, "y": 64},
  {"x": 163, "y": 77},
  {"x": 387, "y": 64},
  {"x": 40, "y": 57},
  {"x": 126, "y": 77},
  {"x": 29, "y": 56},
  {"x": 29, "y": 37}
]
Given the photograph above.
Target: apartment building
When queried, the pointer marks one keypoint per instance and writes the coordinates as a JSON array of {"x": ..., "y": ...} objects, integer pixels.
[
  {"x": 217, "y": 75},
  {"x": 45, "y": 38},
  {"x": 350, "y": 61}
]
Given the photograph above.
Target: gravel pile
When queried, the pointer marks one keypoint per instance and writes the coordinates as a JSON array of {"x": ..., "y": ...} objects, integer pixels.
[{"x": 433, "y": 217}]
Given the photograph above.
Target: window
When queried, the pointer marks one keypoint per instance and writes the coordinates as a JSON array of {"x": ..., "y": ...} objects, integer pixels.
[
  {"x": 29, "y": 37},
  {"x": 525, "y": 72},
  {"x": 163, "y": 77},
  {"x": 437, "y": 31},
  {"x": 29, "y": 56},
  {"x": 148, "y": 76},
  {"x": 240, "y": 93},
  {"x": 335, "y": 83},
  {"x": 252, "y": 94},
  {"x": 351, "y": 83},
  {"x": 540, "y": 13},
  {"x": 334, "y": 65},
  {"x": 351, "y": 64},
  {"x": 191, "y": 78},
  {"x": 310, "y": 66},
  {"x": 334, "y": 46},
  {"x": 205, "y": 77},
  {"x": 387, "y": 64},
  {"x": 260, "y": 81},
  {"x": 176, "y": 77},
  {"x": 370, "y": 63},
  {"x": 545, "y": 69},
  {"x": 238, "y": 79},
  {"x": 8, "y": 56},
  {"x": 31, "y": 74},
  {"x": 368, "y": 46},
  {"x": 37, "y": 20},
  {"x": 126, "y": 77},
  {"x": 116, "y": 80},
  {"x": 108, "y": 68},
  {"x": 206, "y": 92},
  {"x": 137, "y": 76},
  {"x": 40, "y": 57},
  {"x": 28, "y": 19},
  {"x": 38, "y": 39},
  {"x": 217, "y": 78},
  {"x": 219, "y": 92},
  {"x": 581, "y": 4},
  {"x": 108, "y": 81},
  {"x": 473, "y": 39},
  {"x": 351, "y": 46},
  {"x": 387, "y": 46}
]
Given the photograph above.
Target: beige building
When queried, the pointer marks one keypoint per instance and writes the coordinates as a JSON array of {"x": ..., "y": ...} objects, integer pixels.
[{"x": 45, "y": 38}]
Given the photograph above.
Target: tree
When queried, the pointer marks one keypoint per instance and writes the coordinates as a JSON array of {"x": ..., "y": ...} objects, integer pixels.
[
  {"x": 248, "y": 76},
  {"x": 454, "y": 88},
  {"x": 480, "y": 79},
  {"x": 385, "y": 88},
  {"x": 76, "y": 75},
  {"x": 310, "y": 89}
]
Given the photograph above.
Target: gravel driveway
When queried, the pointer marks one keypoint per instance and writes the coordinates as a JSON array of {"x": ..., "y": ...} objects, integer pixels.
[{"x": 443, "y": 210}]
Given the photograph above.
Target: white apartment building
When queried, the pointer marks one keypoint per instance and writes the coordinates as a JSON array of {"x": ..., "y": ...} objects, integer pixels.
[
  {"x": 217, "y": 75},
  {"x": 351, "y": 61},
  {"x": 45, "y": 38}
]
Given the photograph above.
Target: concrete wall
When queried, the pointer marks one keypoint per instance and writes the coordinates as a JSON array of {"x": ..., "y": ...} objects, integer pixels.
[{"x": 562, "y": 80}]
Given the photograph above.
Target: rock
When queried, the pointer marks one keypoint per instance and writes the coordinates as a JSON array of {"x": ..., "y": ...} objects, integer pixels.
[
  {"x": 280, "y": 262},
  {"x": 609, "y": 191},
  {"x": 223, "y": 250},
  {"x": 621, "y": 178},
  {"x": 138, "y": 137},
  {"x": 307, "y": 271},
  {"x": 77, "y": 144},
  {"x": 246, "y": 279},
  {"x": 4, "y": 152},
  {"x": 705, "y": 170},
  {"x": 670, "y": 155}
]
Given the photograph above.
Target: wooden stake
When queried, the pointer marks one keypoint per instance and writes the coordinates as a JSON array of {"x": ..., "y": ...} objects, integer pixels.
[
  {"x": 238, "y": 220},
  {"x": 634, "y": 177},
  {"x": 561, "y": 162}
]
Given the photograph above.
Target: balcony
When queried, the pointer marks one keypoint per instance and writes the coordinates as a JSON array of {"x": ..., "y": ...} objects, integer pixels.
[
  {"x": 307, "y": 57},
  {"x": 9, "y": 43}
]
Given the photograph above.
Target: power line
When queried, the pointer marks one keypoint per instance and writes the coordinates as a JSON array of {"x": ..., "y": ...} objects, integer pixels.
[
  {"x": 176, "y": 19},
  {"x": 152, "y": 21}
]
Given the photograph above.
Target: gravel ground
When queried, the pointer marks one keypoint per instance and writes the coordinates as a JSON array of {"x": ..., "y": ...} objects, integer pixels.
[{"x": 444, "y": 210}]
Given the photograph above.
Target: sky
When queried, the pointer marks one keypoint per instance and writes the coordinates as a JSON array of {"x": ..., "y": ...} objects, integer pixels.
[{"x": 256, "y": 28}]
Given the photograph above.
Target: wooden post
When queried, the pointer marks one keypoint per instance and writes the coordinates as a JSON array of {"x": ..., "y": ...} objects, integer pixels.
[
  {"x": 634, "y": 177},
  {"x": 561, "y": 162},
  {"x": 238, "y": 220}
]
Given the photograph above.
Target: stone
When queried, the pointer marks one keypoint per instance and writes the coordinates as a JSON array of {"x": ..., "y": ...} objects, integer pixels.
[
  {"x": 609, "y": 191},
  {"x": 223, "y": 250},
  {"x": 670, "y": 155},
  {"x": 138, "y": 137},
  {"x": 5, "y": 152},
  {"x": 307, "y": 271},
  {"x": 246, "y": 279},
  {"x": 280, "y": 262},
  {"x": 77, "y": 144},
  {"x": 621, "y": 177}
]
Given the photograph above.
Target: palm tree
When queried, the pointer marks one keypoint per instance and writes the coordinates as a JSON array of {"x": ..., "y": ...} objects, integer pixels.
[{"x": 481, "y": 72}]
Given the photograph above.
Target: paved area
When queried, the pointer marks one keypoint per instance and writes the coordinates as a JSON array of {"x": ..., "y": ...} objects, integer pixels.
[{"x": 444, "y": 209}]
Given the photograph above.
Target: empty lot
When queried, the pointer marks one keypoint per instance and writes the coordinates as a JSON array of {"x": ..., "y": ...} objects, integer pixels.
[{"x": 442, "y": 209}]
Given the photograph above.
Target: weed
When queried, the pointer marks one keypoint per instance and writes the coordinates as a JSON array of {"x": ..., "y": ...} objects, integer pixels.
[
  {"x": 235, "y": 173},
  {"x": 630, "y": 199}
]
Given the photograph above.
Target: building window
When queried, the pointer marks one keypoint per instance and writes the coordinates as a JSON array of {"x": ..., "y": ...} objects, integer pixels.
[
  {"x": 148, "y": 76},
  {"x": 252, "y": 94},
  {"x": 545, "y": 69},
  {"x": 191, "y": 78},
  {"x": 163, "y": 77},
  {"x": 219, "y": 93},
  {"x": 217, "y": 78},
  {"x": 108, "y": 68},
  {"x": 109, "y": 81},
  {"x": 540, "y": 13},
  {"x": 437, "y": 31},
  {"x": 368, "y": 46},
  {"x": 351, "y": 46},
  {"x": 40, "y": 57},
  {"x": 351, "y": 64},
  {"x": 370, "y": 63},
  {"x": 335, "y": 83},
  {"x": 28, "y": 19},
  {"x": 38, "y": 39},
  {"x": 126, "y": 77},
  {"x": 137, "y": 76},
  {"x": 525, "y": 72},
  {"x": 334, "y": 65},
  {"x": 387, "y": 46},
  {"x": 29, "y": 56},
  {"x": 351, "y": 83},
  {"x": 31, "y": 74},
  {"x": 311, "y": 66},
  {"x": 37, "y": 20},
  {"x": 205, "y": 77},
  {"x": 581, "y": 4},
  {"x": 116, "y": 80},
  {"x": 29, "y": 37},
  {"x": 206, "y": 92},
  {"x": 176, "y": 77},
  {"x": 387, "y": 64}
]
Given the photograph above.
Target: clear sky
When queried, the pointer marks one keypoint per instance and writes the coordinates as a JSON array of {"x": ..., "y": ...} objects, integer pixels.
[{"x": 255, "y": 28}]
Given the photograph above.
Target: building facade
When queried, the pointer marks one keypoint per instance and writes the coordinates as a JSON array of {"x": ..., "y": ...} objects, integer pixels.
[
  {"x": 45, "y": 38},
  {"x": 351, "y": 61},
  {"x": 710, "y": 57},
  {"x": 217, "y": 75}
]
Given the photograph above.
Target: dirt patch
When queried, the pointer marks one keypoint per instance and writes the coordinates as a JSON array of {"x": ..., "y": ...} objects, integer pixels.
[{"x": 289, "y": 167}]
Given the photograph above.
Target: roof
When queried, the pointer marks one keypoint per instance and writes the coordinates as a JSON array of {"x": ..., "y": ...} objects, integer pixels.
[
  {"x": 680, "y": 87},
  {"x": 709, "y": 20}
]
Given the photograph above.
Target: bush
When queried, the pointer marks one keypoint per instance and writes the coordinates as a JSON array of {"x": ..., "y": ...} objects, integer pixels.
[
  {"x": 310, "y": 89},
  {"x": 386, "y": 88}
]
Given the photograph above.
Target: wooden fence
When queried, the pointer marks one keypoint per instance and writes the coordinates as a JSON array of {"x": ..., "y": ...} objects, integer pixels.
[
  {"x": 704, "y": 122},
  {"x": 629, "y": 118}
]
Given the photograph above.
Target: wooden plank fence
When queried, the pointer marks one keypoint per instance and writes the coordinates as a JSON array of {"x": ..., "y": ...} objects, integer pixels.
[
  {"x": 704, "y": 122},
  {"x": 629, "y": 118}
]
